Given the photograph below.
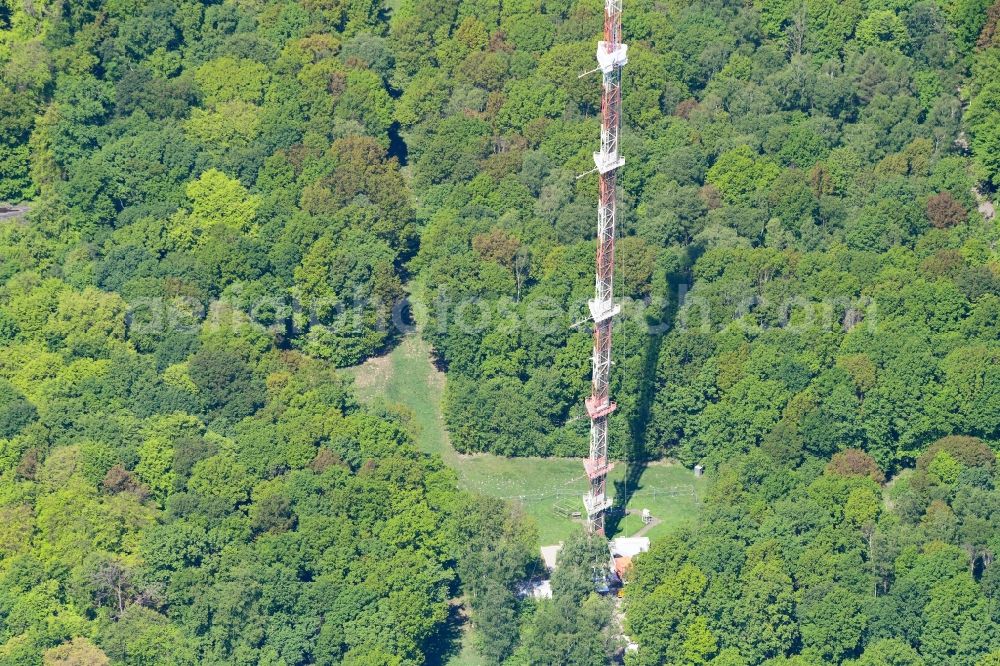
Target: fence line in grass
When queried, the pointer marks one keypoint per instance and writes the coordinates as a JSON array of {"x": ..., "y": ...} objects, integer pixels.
[{"x": 684, "y": 490}]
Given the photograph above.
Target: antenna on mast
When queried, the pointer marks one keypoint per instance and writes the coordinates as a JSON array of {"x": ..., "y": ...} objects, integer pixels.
[{"x": 612, "y": 55}]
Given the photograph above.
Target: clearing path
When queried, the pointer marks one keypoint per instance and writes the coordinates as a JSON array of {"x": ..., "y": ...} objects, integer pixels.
[
  {"x": 11, "y": 212},
  {"x": 645, "y": 529},
  {"x": 544, "y": 486}
]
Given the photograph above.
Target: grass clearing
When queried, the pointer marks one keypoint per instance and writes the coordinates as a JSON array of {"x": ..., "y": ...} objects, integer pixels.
[
  {"x": 670, "y": 492},
  {"x": 407, "y": 377},
  {"x": 467, "y": 655}
]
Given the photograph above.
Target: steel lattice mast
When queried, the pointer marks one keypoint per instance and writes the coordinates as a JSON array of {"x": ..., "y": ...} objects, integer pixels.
[{"x": 612, "y": 55}]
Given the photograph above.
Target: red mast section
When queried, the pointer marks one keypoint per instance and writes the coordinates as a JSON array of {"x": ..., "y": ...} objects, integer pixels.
[{"x": 612, "y": 55}]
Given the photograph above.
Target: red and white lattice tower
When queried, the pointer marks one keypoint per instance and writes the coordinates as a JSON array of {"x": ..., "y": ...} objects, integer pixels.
[{"x": 612, "y": 55}]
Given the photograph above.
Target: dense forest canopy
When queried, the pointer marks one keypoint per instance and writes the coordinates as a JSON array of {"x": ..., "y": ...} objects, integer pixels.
[
  {"x": 184, "y": 479},
  {"x": 230, "y": 199}
]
